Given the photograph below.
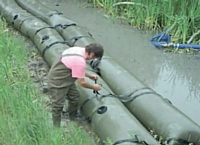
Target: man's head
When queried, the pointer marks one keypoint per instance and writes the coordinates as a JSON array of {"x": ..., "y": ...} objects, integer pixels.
[{"x": 94, "y": 50}]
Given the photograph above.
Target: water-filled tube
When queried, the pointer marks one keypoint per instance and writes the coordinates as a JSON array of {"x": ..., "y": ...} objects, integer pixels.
[
  {"x": 73, "y": 34},
  {"x": 48, "y": 41},
  {"x": 110, "y": 118},
  {"x": 152, "y": 110}
]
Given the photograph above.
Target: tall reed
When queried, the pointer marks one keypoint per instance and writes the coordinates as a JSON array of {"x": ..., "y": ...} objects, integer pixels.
[{"x": 181, "y": 16}]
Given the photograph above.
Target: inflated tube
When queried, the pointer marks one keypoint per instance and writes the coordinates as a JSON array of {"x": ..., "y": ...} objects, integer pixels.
[
  {"x": 110, "y": 118},
  {"x": 150, "y": 108}
]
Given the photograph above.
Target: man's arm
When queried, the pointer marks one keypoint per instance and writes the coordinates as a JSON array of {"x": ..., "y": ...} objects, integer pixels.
[
  {"x": 91, "y": 76},
  {"x": 83, "y": 83}
]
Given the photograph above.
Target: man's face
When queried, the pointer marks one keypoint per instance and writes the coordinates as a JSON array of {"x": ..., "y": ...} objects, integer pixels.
[{"x": 90, "y": 56}]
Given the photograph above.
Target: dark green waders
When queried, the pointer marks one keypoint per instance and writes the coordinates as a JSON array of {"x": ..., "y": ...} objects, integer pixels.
[{"x": 62, "y": 86}]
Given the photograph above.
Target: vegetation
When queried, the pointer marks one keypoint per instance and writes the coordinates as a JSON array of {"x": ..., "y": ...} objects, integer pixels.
[
  {"x": 23, "y": 118},
  {"x": 182, "y": 17}
]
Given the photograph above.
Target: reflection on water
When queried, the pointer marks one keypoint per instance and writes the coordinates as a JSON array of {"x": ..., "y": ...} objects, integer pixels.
[
  {"x": 179, "y": 82},
  {"x": 174, "y": 76},
  {"x": 181, "y": 73}
]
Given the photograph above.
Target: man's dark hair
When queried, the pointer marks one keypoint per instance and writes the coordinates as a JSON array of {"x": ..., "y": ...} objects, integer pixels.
[{"x": 95, "y": 48}]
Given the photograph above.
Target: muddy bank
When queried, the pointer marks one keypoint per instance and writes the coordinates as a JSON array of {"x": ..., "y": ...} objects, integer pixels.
[{"x": 174, "y": 76}]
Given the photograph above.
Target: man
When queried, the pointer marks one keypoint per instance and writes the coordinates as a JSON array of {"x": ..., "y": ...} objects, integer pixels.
[{"x": 62, "y": 76}]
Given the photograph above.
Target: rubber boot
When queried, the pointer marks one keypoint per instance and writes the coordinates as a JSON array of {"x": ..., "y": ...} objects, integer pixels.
[
  {"x": 56, "y": 121},
  {"x": 73, "y": 115},
  {"x": 72, "y": 110}
]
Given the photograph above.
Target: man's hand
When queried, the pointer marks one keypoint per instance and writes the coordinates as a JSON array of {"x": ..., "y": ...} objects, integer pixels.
[
  {"x": 83, "y": 83},
  {"x": 96, "y": 87},
  {"x": 93, "y": 77}
]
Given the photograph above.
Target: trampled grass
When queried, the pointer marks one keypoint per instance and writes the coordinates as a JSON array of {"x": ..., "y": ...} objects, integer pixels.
[{"x": 22, "y": 120}]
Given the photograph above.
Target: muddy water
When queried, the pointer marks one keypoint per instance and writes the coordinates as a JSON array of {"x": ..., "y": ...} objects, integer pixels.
[{"x": 174, "y": 76}]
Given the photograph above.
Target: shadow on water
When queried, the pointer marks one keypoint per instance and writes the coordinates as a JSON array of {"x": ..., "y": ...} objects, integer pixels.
[{"x": 174, "y": 76}]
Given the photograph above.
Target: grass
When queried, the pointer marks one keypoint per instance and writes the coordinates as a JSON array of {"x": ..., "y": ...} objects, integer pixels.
[
  {"x": 182, "y": 17},
  {"x": 24, "y": 121}
]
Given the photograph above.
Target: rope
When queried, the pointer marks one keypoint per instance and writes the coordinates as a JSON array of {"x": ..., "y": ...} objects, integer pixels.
[
  {"x": 136, "y": 96},
  {"x": 48, "y": 46},
  {"x": 54, "y": 27},
  {"x": 77, "y": 38},
  {"x": 121, "y": 97},
  {"x": 94, "y": 91},
  {"x": 94, "y": 65}
]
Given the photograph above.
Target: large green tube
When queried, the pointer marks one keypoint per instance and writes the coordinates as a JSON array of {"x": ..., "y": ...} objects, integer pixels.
[
  {"x": 82, "y": 37},
  {"x": 7, "y": 11},
  {"x": 46, "y": 38},
  {"x": 110, "y": 119},
  {"x": 50, "y": 44},
  {"x": 35, "y": 8},
  {"x": 151, "y": 109},
  {"x": 13, "y": 13},
  {"x": 3, "y": 5},
  {"x": 51, "y": 17},
  {"x": 68, "y": 29}
]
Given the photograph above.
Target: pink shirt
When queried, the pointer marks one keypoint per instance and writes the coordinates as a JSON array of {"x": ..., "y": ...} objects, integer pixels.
[{"x": 76, "y": 63}]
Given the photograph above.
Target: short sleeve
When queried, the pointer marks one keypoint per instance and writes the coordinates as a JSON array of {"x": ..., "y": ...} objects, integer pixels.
[{"x": 78, "y": 71}]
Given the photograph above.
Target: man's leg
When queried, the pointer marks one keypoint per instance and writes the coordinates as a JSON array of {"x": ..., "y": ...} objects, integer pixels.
[
  {"x": 73, "y": 96},
  {"x": 57, "y": 99}
]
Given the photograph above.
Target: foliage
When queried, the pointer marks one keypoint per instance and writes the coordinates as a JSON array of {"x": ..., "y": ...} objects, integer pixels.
[{"x": 181, "y": 16}]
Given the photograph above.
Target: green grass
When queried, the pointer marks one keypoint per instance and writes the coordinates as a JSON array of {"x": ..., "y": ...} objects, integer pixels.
[
  {"x": 182, "y": 17},
  {"x": 23, "y": 120}
]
